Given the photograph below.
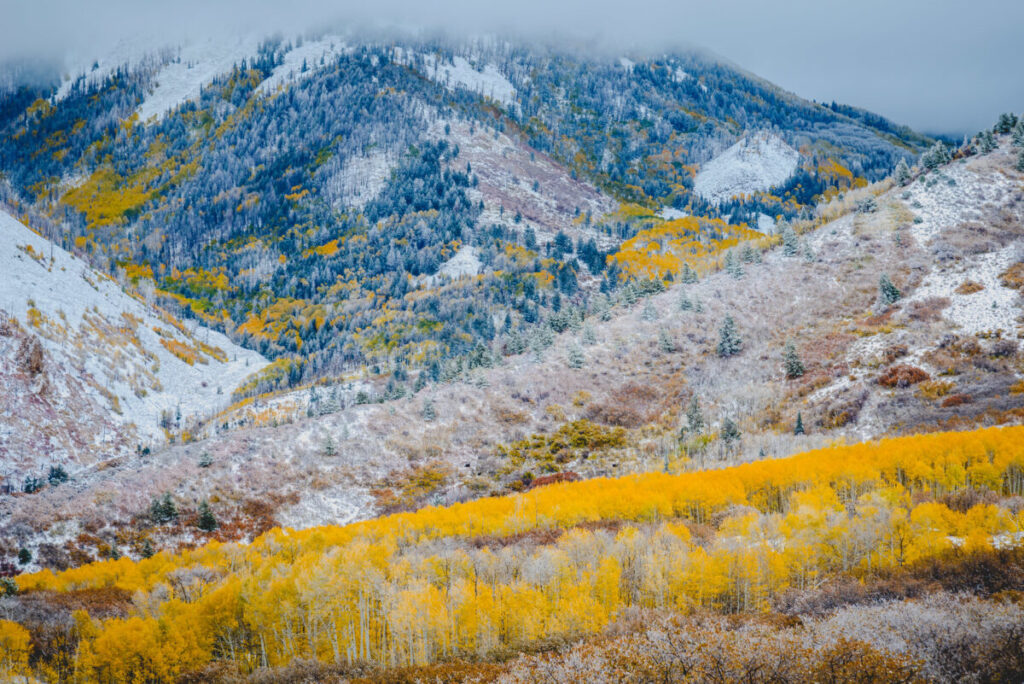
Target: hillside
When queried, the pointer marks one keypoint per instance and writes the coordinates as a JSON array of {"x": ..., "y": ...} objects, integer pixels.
[
  {"x": 940, "y": 357},
  {"x": 90, "y": 372},
  {"x": 296, "y": 168},
  {"x": 475, "y": 582}
]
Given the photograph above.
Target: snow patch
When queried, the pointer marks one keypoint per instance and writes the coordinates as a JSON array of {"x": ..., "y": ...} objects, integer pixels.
[
  {"x": 487, "y": 80},
  {"x": 196, "y": 66},
  {"x": 755, "y": 163},
  {"x": 312, "y": 53},
  {"x": 335, "y": 506},
  {"x": 987, "y": 310},
  {"x": 671, "y": 213},
  {"x": 464, "y": 263},
  {"x": 765, "y": 224}
]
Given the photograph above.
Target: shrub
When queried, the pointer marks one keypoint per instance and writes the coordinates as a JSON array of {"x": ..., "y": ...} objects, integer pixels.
[{"x": 902, "y": 376}]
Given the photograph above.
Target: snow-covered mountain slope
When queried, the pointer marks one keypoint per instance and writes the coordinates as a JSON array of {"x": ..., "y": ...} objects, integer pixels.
[
  {"x": 196, "y": 65},
  {"x": 483, "y": 79},
  {"x": 138, "y": 362},
  {"x": 311, "y": 54},
  {"x": 757, "y": 162}
]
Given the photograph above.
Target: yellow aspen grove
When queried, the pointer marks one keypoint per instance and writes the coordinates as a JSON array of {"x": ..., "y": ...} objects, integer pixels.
[{"x": 459, "y": 583}]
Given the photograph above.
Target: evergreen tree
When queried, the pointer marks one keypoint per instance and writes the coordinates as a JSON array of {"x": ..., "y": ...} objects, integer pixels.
[
  {"x": 729, "y": 341},
  {"x": 1018, "y": 133},
  {"x": 936, "y": 156},
  {"x": 1006, "y": 123},
  {"x": 730, "y": 432},
  {"x": 589, "y": 338},
  {"x": 808, "y": 252},
  {"x": 429, "y": 413},
  {"x": 665, "y": 342},
  {"x": 733, "y": 265},
  {"x": 901, "y": 174},
  {"x": 799, "y": 429},
  {"x": 794, "y": 366},
  {"x": 205, "y": 460},
  {"x": 575, "y": 358},
  {"x": 1020, "y": 161},
  {"x": 790, "y": 242},
  {"x": 649, "y": 314},
  {"x": 163, "y": 510},
  {"x": 329, "y": 449},
  {"x": 888, "y": 293},
  {"x": 207, "y": 522},
  {"x": 24, "y": 556},
  {"x": 147, "y": 549},
  {"x": 421, "y": 382},
  {"x": 986, "y": 142},
  {"x": 689, "y": 275},
  {"x": 684, "y": 302},
  {"x": 57, "y": 475}
]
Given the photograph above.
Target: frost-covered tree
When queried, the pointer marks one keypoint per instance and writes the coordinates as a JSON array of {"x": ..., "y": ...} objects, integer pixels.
[
  {"x": 901, "y": 174},
  {"x": 936, "y": 156},
  {"x": 1006, "y": 123},
  {"x": 694, "y": 416},
  {"x": 888, "y": 293},
  {"x": 790, "y": 242},
  {"x": 730, "y": 432},
  {"x": 665, "y": 342},
  {"x": 986, "y": 142},
  {"x": 729, "y": 341},
  {"x": 791, "y": 360},
  {"x": 684, "y": 302},
  {"x": 588, "y": 338},
  {"x": 799, "y": 429},
  {"x": 575, "y": 357},
  {"x": 429, "y": 413}
]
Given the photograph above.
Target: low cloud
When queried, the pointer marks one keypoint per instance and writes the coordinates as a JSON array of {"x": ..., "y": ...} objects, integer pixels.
[{"x": 937, "y": 65}]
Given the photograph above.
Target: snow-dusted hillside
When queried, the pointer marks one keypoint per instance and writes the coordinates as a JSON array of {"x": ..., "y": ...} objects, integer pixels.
[
  {"x": 197, "y": 64},
  {"x": 757, "y": 162},
  {"x": 137, "y": 361},
  {"x": 486, "y": 80}
]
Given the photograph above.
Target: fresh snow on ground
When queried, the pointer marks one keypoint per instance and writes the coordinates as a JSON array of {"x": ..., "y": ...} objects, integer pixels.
[
  {"x": 487, "y": 81},
  {"x": 196, "y": 66},
  {"x": 671, "y": 214},
  {"x": 312, "y": 52},
  {"x": 765, "y": 224},
  {"x": 95, "y": 69},
  {"x": 115, "y": 337},
  {"x": 465, "y": 262},
  {"x": 360, "y": 179},
  {"x": 757, "y": 162}
]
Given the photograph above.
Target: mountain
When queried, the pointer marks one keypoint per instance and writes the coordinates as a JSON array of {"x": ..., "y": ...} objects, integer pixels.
[{"x": 297, "y": 170}]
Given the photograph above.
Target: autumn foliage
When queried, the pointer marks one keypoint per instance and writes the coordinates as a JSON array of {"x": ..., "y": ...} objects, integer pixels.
[{"x": 426, "y": 587}]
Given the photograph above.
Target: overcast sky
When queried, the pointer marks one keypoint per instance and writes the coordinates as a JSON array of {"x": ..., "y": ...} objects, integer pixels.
[{"x": 945, "y": 66}]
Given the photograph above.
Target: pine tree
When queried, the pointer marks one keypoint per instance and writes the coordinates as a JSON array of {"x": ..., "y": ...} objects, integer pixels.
[
  {"x": 649, "y": 313},
  {"x": 1018, "y": 134},
  {"x": 808, "y": 252},
  {"x": 987, "y": 142},
  {"x": 665, "y": 342},
  {"x": 790, "y": 243},
  {"x": 575, "y": 358},
  {"x": 729, "y": 341},
  {"x": 1006, "y": 122},
  {"x": 589, "y": 338},
  {"x": 206, "y": 522},
  {"x": 205, "y": 460},
  {"x": 163, "y": 510},
  {"x": 936, "y": 156},
  {"x": 1020, "y": 161},
  {"x": 794, "y": 366},
  {"x": 57, "y": 475},
  {"x": 888, "y": 293},
  {"x": 733, "y": 265},
  {"x": 799, "y": 429},
  {"x": 429, "y": 412},
  {"x": 147, "y": 549},
  {"x": 329, "y": 449},
  {"x": 901, "y": 174},
  {"x": 689, "y": 275},
  {"x": 730, "y": 432},
  {"x": 684, "y": 302},
  {"x": 24, "y": 556}
]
